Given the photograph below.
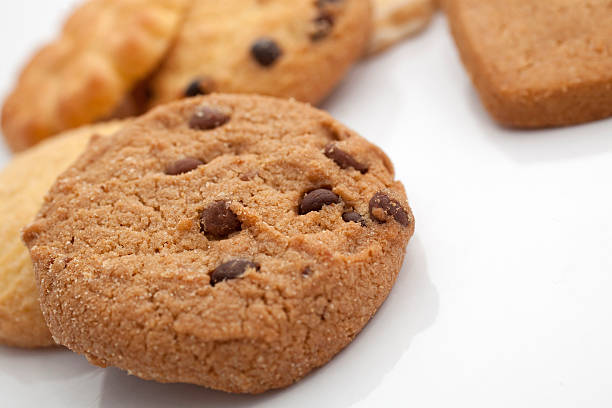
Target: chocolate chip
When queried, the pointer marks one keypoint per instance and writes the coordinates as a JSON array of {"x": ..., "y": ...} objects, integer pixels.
[
  {"x": 382, "y": 207},
  {"x": 316, "y": 199},
  {"x": 352, "y": 216},
  {"x": 322, "y": 26},
  {"x": 206, "y": 118},
  {"x": 183, "y": 166},
  {"x": 266, "y": 51},
  {"x": 219, "y": 221},
  {"x": 200, "y": 86},
  {"x": 306, "y": 272},
  {"x": 194, "y": 89},
  {"x": 231, "y": 270},
  {"x": 343, "y": 159}
]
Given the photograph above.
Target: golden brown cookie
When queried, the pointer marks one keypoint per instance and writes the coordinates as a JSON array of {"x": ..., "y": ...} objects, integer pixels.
[
  {"x": 235, "y": 242},
  {"x": 23, "y": 184},
  {"x": 537, "y": 63},
  {"x": 294, "y": 49},
  {"x": 105, "y": 48},
  {"x": 395, "y": 20}
]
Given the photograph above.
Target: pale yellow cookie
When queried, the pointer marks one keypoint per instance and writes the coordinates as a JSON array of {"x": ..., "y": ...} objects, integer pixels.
[
  {"x": 395, "y": 20},
  {"x": 23, "y": 184},
  {"x": 105, "y": 48},
  {"x": 293, "y": 49}
]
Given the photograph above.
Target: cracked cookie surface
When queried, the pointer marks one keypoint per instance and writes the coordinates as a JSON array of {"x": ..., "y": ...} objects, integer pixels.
[
  {"x": 105, "y": 48},
  {"x": 235, "y": 242},
  {"x": 23, "y": 185},
  {"x": 293, "y": 49}
]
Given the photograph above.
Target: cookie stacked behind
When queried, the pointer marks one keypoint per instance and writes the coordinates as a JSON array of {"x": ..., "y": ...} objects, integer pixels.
[
  {"x": 235, "y": 242},
  {"x": 395, "y": 20},
  {"x": 537, "y": 63},
  {"x": 109, "y": 50},
  {"x": 118, "y": 58},
  {"x": 23, "y": 185},
  {"x": 105, "y": 48},
  {"x": 291, "y": 49}
]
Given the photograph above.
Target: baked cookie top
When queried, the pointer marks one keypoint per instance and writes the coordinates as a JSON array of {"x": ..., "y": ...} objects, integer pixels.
[
  {"x": 529, "y": 45},
  {"x": 231, "y": 241},
  {"x": 104, "y": 49},
  {"x": 294, "y": 49},
  {"x": 23, "y": 185}
]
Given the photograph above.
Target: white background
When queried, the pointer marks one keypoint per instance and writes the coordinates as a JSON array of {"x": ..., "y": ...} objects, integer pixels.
[{"x": 505, "y": 299}]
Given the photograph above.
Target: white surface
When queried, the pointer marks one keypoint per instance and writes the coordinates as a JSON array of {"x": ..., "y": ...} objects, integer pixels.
[{"x": 505, "y": 297}]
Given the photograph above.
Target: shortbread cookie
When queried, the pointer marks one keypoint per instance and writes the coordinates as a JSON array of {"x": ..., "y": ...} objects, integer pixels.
[
  {"x": 23, "y": 184},
  {"x": 235, "y": 242},
  {"x": 537, "y": 63},
  {"x": 395, "y": 20},
  {"x": 294, "y": 49},
  {"x": 106, "y": 47}
]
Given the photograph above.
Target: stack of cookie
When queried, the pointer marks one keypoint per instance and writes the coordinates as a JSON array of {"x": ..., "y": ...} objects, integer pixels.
[
  {"x": 119, "y": 58},
  {"x": 235, "y": 242}
]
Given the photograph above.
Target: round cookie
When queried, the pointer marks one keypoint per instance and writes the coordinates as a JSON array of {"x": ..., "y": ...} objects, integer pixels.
[
  {"x": 23, "y": 184},
  {"x": 105, "y": 48},
  {"x": 235, "y": 242},
  {"x": 293, "y": 49},
  {"x": 395, "y": 20}
]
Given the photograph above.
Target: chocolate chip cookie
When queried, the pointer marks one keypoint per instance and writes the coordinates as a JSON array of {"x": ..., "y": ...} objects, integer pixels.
[
  {"x": 294, "y": 49},
  {"x": 104, "y": 50},
  {"x": 23, "y": 184},
  {"x": 236, "y": 242}
]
